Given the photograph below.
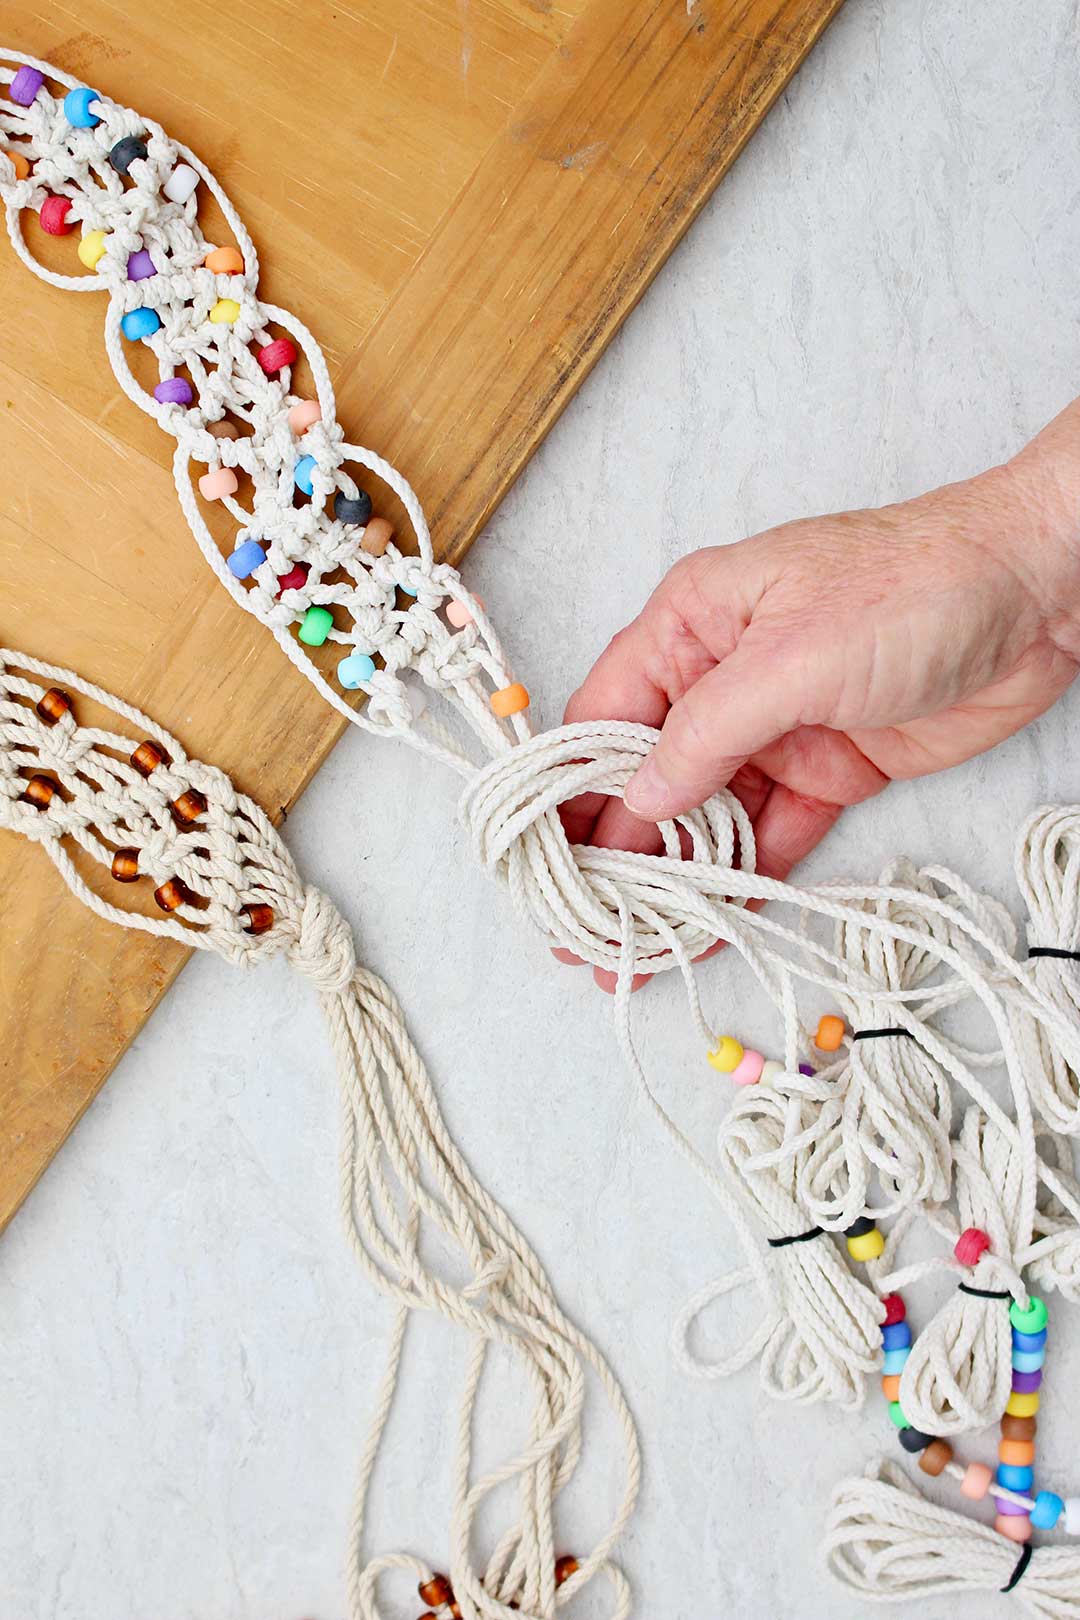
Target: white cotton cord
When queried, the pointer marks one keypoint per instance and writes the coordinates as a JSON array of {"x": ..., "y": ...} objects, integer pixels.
[
  {"x": 1048, "y": 877},
  {"x": 885, "y": 1541},
  {"x": 425, "y": 1231}
]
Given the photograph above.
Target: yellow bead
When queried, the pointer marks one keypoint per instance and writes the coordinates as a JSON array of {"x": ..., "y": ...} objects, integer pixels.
[
  {"x": 92, "y": 248},
  {"x": 727, "y": 1056},
  {"x": 1020, "y": 1404},
  {"x": 225, "y": 311},
  {"x": 867, "y": 1246}
]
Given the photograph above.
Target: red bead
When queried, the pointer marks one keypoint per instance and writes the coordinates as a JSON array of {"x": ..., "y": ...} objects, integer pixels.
[
  {"x": 282, "y": 352},
  {"x": 294, "y": 579},
  {"x": 53, "y": 216},
  {"x": 971, "y": 1245},
  {"x": 895, "y": 1309}
]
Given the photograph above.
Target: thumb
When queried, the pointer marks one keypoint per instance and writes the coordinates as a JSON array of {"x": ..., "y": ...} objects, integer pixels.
[{"x": 748, "y": 701}]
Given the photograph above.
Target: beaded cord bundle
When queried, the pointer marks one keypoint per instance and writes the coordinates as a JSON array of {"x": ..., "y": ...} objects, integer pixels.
[
  {"x": 137, "y": 805},
  {"x": 805, "y": 1151}
]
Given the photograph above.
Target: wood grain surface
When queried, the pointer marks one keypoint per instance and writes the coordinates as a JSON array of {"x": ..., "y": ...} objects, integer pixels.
[{"x": 462, "y": 199}]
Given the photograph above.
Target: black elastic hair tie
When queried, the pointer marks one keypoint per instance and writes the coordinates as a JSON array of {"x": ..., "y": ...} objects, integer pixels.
[
  {"x": 877, "y": 1034},
  {"x": 985, "y": 1293},
  {"x": 796, "y": 1237},
  {"x": 1021, "y": 1565},
  {"x": 1051, "y": 950}
]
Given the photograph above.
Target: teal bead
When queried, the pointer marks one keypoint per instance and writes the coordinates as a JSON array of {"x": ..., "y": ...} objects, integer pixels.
[
  {"x": 1033, "y": 1320},
  {"x": 302, "y": 474},
  {"x": 1015, "y": 1478},
  {"x": 140, "y": 323},
  {"x": 896, "y": 1414},
  {"x": 409, "y": 590},
  {"x": 894, "y": 1360},
  {"x": 1047, "y": 1511},
  {"x": 77, "y": 108},
  {"x": 317, "y": 625},
  {"x": 1025, "y": 1361},
  {"x": 355, "y": 670}
]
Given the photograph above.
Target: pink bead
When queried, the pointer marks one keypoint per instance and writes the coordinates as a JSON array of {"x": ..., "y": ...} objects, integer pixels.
[
  {"x": 1015, "y": 1529},
  {"x": 54, "y": 216},
  {"x": 459, "y": 614},
  {"x": 274, "y": 357},
  {"x": 303, "y": 415},
  {"x": 976, "y": 1481},
  {"x": 218, "y": 482},
  {"x": 748, "y": 1072},
  {"x": 567, "y": 958},
  {"x": 971, "y": 1245}
]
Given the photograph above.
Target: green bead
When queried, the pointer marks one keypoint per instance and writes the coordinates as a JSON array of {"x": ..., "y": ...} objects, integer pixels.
[
  {"x": 1033, "y": 1320},
  {"x": 896, "y": 1412},
  {"x": 317, "y": 625}
]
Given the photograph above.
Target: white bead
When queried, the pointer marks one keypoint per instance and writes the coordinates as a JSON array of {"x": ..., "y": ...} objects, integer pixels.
[
  {"x": 181, "y": 183},
  {"x": 1072, "y": 1515},
  {"x": 771, "y": 1073}
]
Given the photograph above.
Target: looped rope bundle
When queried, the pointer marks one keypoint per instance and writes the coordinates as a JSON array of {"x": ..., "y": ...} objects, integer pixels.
[
  {"x": 231, "y": 887},
  {"x": 886, "y": 1542}
]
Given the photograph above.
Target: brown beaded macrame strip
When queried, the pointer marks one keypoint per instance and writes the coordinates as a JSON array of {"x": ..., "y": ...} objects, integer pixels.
[{"x": 223, "y": 881}]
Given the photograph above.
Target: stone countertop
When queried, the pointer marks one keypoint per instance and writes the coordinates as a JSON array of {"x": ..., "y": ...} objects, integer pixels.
[{"x": 881, "y": 297}]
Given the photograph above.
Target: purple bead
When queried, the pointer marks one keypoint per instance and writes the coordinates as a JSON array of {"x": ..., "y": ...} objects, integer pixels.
[
  {"x": 25, "y": 85},
  {"x": 805, "y": 1068},
  {"x": 140, "y": 266},
  {"x": 1026, "y": 1383},
  {"x": 1012, "y": 1510},
  {"x": 174, "y": 391}
]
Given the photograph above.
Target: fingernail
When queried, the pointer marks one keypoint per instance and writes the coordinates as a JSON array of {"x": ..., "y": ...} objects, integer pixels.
[{"x": 647, "y": 793}]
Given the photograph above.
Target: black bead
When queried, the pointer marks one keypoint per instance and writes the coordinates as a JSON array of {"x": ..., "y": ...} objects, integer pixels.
[
  {"x": 914, "y": 1439},
  {"x": 859, "y": 1228},
  {"x": 125, "y": 152},
  {"x": 347, "y": 510}
]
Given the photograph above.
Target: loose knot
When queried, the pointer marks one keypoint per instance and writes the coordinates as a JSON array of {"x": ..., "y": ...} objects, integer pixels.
[
  {"x": 324, "y": 950},
  {"x": 489, "y": 1277}
]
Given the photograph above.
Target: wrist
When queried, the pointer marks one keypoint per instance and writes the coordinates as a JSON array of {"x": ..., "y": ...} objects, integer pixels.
[{"x": 1040, "y": 494}]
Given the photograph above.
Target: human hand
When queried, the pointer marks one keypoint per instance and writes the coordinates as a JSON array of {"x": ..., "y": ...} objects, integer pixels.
[{"x": 809, "y": 666}]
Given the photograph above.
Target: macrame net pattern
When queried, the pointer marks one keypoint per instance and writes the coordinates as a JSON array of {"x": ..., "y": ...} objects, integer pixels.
[
  {"x": 870, "y": 1132},
  {"x": 421, "y": 1225}
]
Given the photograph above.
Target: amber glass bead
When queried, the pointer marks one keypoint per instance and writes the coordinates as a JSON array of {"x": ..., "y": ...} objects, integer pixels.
[
  {"x": 173, "y": 894},
  {"x": 564, "y": 1568},
  {"x": 934, "y": 1458},
  {"x": 437, "y": 1591},
  {"x": 1018, "y": 1428},
  {"x": 125, "y": 865},
  {"x": 148, "y": 756},
  {"x": 259, "y": 920},
  {"x": 52, "y": 705},
  {"x": 189, "y": 806},
  {"x": 38, "y": 792}
]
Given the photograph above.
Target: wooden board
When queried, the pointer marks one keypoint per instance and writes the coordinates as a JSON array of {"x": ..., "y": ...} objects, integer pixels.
[{"x": 463, "y": 199}]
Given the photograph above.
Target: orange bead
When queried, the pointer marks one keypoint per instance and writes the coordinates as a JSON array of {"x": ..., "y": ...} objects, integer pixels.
[
  {"x": 224, "y": 261},
  {"x": 52, "y": 705},
  {"x": 377, "y": 535},
  {"x": 830, "y": 1033},
  {"x": 509, "y": 700},
  {"x": 148, "y": 756},
  {"x": 890, "y": 1387},
  {"x": 38, "y": 792},
  {"x": 1017, "y": 1453},
  {"x": 259, "y": 920},
  {"x": 189, "y": 806},
  {"x": 437, "y": 1591},
  {"x": 564, "y": 1568},
  {"x": 125, "y": 865},
  {"x": 932, "y": 1458},
  {"x": 22, "y": 168},
  {"x": 1017, "y": 1526}
]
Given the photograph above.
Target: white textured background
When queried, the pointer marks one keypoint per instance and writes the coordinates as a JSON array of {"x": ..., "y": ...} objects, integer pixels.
[{"x": 882, "y": 296}]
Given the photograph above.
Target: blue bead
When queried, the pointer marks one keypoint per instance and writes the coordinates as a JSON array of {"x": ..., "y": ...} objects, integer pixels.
[
  {"x": 1028, "y": 1341},
  {"x": 1028, "y": 1360},
  {"x": 77, "y": 108},
  {"x": 355, "y": 670},
  {"x": 894, "y": 1361},
  {"x": 410, "y": 590},
  {"x": 246, "y": 558},
  {"x": 1015, "y": 1479},
  {"x": 896, "y": 1336},
  {"x": 304, "y": 469},
  {"x": 1047, "y": 1511},
  {"x": 140, "y": 323}
]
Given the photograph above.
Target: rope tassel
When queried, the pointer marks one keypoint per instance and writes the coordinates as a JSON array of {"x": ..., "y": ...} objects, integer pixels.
[
  {"x": 227, "y": 884},
  {"x": 884, "y": 1540}
]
